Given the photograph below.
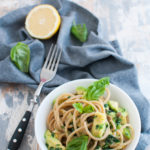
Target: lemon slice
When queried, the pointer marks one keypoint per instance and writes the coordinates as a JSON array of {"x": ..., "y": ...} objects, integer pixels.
[{"x": 43, "y": 21}]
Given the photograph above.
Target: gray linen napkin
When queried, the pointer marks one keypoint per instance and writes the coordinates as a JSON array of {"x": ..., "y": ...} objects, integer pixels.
[{"x": 95, "y": 58}]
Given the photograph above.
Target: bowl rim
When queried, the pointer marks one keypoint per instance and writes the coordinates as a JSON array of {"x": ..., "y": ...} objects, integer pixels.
[{"x": 86, "y": 80}]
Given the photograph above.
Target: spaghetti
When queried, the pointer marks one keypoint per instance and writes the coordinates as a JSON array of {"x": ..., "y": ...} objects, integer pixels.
[{"x": 104, "y": 126}]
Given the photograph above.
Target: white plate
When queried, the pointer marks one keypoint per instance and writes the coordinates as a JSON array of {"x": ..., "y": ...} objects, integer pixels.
[{"x": 116, "y": 94}]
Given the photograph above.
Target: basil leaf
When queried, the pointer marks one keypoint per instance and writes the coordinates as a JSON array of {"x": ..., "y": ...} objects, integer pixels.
[
  {"x": 88, "y": 109},
  {"x": 20, "y": 55},
  {"x": 79, "y": 143},
  {"x": 78, "y": 107},
  {"x": 54, "y": 101},
  {"x": 81, "y": 90},
  {"x": 97, "y": 89},
  {"x": 79, "y": 31}
]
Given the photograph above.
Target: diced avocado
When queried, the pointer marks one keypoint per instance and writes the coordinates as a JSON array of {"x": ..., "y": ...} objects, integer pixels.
[
  {"x": 123, "y": 111},
  {"x": 113, "y": 105},
  {"x": 112, "y": 114},
  {"x": 123, "y": 116},
  {"x": 52, "y": 142},
  {"x": 127, "y": 133},
  {"x": 99, "y": 125},
  {"x": 124, "y": 120},
  {"x": 119, "y": 126},
  {"x": 81, "y": 90},
  {"x": 98, "y": 130},
  {"x": 47, "y": 134}
]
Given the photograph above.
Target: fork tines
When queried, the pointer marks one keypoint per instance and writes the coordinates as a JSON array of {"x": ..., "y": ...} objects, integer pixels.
[{"x": 53, "y": 58}]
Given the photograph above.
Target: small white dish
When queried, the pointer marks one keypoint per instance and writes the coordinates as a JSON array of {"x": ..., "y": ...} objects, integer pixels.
[{"x": 116, "y": 94}]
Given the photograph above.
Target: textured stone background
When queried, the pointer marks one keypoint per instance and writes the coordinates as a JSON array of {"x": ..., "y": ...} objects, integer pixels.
[{"x": 125, "y": 20}]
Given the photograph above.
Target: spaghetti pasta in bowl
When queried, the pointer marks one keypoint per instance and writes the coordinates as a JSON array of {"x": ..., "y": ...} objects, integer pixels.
[{"x": 87, "y": 114}]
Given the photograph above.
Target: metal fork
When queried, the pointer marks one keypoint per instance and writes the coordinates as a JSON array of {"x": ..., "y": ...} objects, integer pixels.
[{"x": 47, "y": 74}]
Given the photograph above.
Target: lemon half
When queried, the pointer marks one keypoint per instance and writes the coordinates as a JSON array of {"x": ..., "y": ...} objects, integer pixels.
[{"x": 43, "y": 21}]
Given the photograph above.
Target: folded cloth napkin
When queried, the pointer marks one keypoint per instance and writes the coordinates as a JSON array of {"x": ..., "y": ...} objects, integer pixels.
[{"x": 95, "y": 58}]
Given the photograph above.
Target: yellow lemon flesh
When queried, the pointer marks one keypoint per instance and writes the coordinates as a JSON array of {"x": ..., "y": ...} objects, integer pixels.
[{"x": 43, "y": 21}]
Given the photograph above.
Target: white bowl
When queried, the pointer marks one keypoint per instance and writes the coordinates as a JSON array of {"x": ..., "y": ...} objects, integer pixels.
[{"x": 116, "y": 94}]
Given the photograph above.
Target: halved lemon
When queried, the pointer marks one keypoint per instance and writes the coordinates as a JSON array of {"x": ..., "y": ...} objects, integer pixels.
[{"x": 43, "y": 21}]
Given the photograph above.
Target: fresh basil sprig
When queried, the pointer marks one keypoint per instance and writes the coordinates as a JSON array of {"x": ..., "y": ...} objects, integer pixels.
[
  {"x": 97, "y": 89},
  {"x": 78, "y": 143},
  {"x": 79, "y": 31},
  {"x": 87, "y": 109},
  {"x": 20, "y": 55},
  {"x": 78, "y": 107}
]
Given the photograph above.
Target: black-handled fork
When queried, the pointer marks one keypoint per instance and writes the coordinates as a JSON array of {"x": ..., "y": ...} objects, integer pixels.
[{"x": 47, "y": 74}]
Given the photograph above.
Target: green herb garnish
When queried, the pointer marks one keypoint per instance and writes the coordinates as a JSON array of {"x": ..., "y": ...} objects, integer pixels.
[
  {"x": 78, "y": 107},
  {"x": 78, "y": 143},
  {"x": 99, "y": 126},
  {"x": 97, "y": 89},
  {"x": 20, "y": 55},
  {"x": 71, "y": 129},
  {"x": 53, "y": 134},
  {"x": 87, "y": 109},
  {"x": 106, "y": 147},
  {"x": 62, "y": 127},
  {"x": 106, "y": 125},
  {"x": 118, "y": 122},
  {"x": 111, "y": 139},
  {"x": 106, "y": 105},
  {"x": 79, "y": 31},
  {"x": 58, "y": 148},
  {"x": 97, "y": 147}
]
